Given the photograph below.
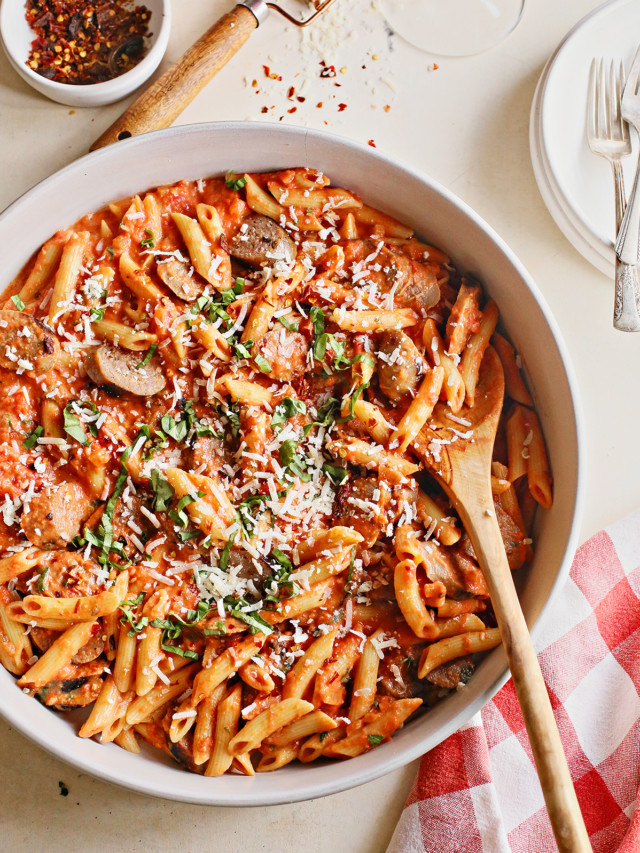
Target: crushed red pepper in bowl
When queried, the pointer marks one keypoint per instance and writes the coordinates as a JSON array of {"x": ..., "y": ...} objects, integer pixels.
[{"x": 84, "y": 42}]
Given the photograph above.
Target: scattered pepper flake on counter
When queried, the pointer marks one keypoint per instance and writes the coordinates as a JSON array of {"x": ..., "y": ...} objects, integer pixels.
[
  {"x": 80, "y": 42},
  {"x": 372, "y": 143},
  {"x": 64, "y": 791}
]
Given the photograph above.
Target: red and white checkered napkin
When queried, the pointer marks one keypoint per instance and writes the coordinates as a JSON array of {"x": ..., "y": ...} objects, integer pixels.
[{"x": 478, "y": 791}]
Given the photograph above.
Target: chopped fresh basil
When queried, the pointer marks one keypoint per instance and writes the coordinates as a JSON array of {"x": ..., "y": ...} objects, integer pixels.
[
  {"x": 148, "y": 242},
  {"x": 149, "y": 355},
  {"x": 178, "y": 515},
  {"x": 262, "y": 363},
  {"x": 234, "y": 183},
  {"x": 128, "y": 618},
  {"x": 41, "y": 579},
  {"x": 290, "y": 327},
  {"x": 32, "y": 439},
  {"x": 337, "y": 475},
  {"x": 374, "y": 740},
  {"x": 224, "y": 557},
  {"x": 242, "y": 350},
  {"x": 163, "y": 491},
  {"x": 288, "y": 408},
  {"x": 73, "y": 427},
  {"x": 289, "y": 459},
  {"x": 20, "y": 305},
  {"x": 96, "y": 314}
]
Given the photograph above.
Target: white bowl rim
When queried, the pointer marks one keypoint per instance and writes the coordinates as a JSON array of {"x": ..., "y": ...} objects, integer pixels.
[
  {"x": 119, "y": 86},
  {"x": 352, "y": 772}
]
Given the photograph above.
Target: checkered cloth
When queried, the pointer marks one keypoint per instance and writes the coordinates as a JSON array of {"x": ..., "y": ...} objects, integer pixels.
[{"x": 478, "y": 791}]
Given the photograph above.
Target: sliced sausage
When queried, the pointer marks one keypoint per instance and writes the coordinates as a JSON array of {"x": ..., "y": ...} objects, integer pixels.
[
  {"x": 400, "y": 365},
  {"x": 54, "y": 516},
  {"x": 90, "y": 651},
  {"x": 113, "y": 367},
  {"x": 261, "y": 242},
  {"x": 286, "y": 353},
  {"x": 67, "y": 695},
  {"x": 422, "y": 292},
  {"x": 450, "y": 675},
  {"x": 176, "y": 276},
  {"x": 363, "y": 504},
  {"x": 26, "y": 343},
  {"x": 207, "y": 456}
]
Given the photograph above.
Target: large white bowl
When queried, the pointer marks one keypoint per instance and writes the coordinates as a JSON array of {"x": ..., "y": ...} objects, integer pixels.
[
  {"x": 200, "y": 150},
  {"x": 16, "y": 36}
]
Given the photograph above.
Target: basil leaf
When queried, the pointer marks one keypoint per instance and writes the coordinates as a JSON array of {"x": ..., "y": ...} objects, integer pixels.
[
  {"x": 32, "y": 439},
  {"x": 163, "y": 489},
  {"x": 374, "y": 740},
  {"x": 337, "y": 475},
  {"x": 177, "y": 429},
  {"x": 149, "y": 241},
  {"x": 234, "y": 183},
  {"x": 41, "y": 579},
  {"x": 255, "y": 622},
  {"x": 224, "y": 557},
  {"x": 179, "y": 515},
  {"x": 73, "y": 427},
  {"x": 145, "y": 361},
  {"x": 290, "y": 327},
  {"x": 262, "y": 363},
  {"x": 288, "y": 408},
  {"x": 20, "y": 305}
]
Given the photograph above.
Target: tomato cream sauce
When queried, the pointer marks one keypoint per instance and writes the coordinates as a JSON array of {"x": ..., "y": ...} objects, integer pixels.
[{"x": 213, "y": 391}]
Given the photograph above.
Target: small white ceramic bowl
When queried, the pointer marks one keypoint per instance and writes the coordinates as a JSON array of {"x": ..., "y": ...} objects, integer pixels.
[
  {"x": 16, "y": 36},
  {"x": 194, "y": 151}
]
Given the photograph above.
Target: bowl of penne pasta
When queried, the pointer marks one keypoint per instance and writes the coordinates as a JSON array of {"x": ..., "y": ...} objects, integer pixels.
[{"x": 232, "y": 357}]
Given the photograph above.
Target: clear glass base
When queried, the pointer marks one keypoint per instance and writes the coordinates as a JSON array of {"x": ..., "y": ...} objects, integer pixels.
[{"x": 453, "y": 27}]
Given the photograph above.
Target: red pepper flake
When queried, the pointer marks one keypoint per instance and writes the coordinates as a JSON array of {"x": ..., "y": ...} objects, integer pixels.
[
  {"x": 300, "y": 99},
  {"x": 291, "y": 92},
  {"x": 254, "y": 83},
  {"x": 341, "y": 107},
  {"x": 292, "y": 110},
  {"x": 271, "y": 74},
  {"x": 327, "y": 70},
  {"x": 387, "y": 108},
  {"x": 319, "y": 105},
  {"x": 81, "y": 42},
  {"x": 372, "y": 143},
  {"x": 265, "y": 109}
]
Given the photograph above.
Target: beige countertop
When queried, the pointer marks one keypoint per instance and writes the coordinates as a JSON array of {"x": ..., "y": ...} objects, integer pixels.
[{"x": 466, "y": 124}]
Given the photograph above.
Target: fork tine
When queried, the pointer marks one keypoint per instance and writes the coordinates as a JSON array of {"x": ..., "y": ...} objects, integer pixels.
[
  {"x": 631, "y": 85},
  {"x": 624, "y": 127},
  {"x": 601, "y": 102},
  {"x": 591, "y": 102},
  {"x": 613, "y": 97}
]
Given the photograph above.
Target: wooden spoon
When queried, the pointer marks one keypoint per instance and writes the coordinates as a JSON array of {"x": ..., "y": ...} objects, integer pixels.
[{"x": 463, "y": 468}]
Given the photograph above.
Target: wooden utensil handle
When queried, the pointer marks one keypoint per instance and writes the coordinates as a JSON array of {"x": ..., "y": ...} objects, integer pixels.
[
  {"x": 551, "y": 763},
  {"x": 160, "y": 104}
]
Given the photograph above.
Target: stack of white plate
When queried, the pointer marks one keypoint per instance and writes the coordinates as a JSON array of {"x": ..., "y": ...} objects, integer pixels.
[{"x": 577, "y": 185}]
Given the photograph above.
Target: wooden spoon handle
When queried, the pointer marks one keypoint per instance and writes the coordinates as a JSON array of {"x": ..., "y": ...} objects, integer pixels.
[
  {"x": 160, "y": 104},
  {"x": 551, "y": 763}
]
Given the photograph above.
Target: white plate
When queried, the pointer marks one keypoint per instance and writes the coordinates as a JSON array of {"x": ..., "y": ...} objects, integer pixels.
[
  {"x": 205, "y": 149},
  {"x": 577, "y": 185}
]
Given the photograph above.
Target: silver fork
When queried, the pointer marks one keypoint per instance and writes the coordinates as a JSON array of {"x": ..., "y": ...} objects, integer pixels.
[{"x": 608, "y": 136}]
